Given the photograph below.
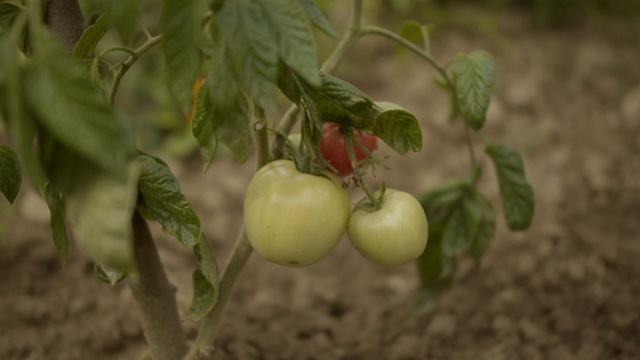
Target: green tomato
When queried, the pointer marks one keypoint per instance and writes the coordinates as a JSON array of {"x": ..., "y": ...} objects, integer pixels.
[
  {"x": 392, "y": 235},
  {"x": 292, "y": 218}
]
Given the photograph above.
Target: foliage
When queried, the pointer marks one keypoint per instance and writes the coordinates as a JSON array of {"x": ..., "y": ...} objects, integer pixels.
[{"x": 224, "y": 62}]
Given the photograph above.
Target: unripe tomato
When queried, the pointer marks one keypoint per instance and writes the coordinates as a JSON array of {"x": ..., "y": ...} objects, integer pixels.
[
  {"x": 392, "y": 235},
  {"x": 333, "y": 147},
  {"x": 294, "y": 219}
]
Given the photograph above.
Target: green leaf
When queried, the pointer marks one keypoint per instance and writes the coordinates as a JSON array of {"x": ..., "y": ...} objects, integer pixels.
[
  {"x": 99, "y": 210},
  {"x": 202, "y": 128},
  {"x": 162, "y": 201},
  {"x": 295, "y": 40},
  {"x": 90, "y": 38},
  {"x": 436, "y": 271},
  {"x": 479, "y": 216},
  {"x": 317, "y": 17},
  {"x": 252, "y": 47},
  {"x": 257, "y": 35},
  {"x": 455, "y": 237},
  {"x": 10, "y": 173},
  {"x": 515, "y": 191},
  {"x": 398, "y": 128},
  {"x": 180, "y": 26},
  {"x": 107, "y": 274},
  {"x": 474, "y": 78},
  {"x": 58, "y": 227},
  {"x": 8, "y": 10},
  {"x": 444, "y": 196},
  {"x": 205, "y": 280},
  {"x": 123, "y": 15},
  {"x": 74, "y": 111},
  {"x": 228, "y": 112},
  {"x": 334, "y": 101}
]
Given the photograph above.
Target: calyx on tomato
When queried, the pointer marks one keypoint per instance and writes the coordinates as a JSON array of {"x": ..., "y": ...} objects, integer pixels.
[
  {"x": 392, "y": 235},
  {"x": 333, "y": 147},
  {"x": 292, "y": 218}
]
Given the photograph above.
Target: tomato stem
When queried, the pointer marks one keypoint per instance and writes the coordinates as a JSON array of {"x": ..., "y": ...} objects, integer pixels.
[
  {"x": 375, "y": 201},
  {"x": 125, "y": 65},
  {"x": 261, "y": 130},
  {"x": 376, "y": 30}
]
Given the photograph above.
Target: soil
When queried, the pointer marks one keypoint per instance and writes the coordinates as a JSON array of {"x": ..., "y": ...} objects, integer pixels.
[{"x": 567, "y": 288}]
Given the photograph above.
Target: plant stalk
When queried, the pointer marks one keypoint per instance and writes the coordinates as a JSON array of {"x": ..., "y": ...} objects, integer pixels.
[
  {"x": 239, "y": 257},
  {"x": 155, "y": 297},
  {"x": 375, "y": 201},
  {"x": 125, "y": 65},
  {"x": 375, "y": 30}
]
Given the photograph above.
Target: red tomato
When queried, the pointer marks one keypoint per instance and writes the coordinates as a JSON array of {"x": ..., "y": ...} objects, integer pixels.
[{"x": 333, "y": 147}]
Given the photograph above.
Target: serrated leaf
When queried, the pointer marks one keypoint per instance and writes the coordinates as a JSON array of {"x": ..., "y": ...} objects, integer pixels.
[
  {"x": 484, "y": 222},
  {"x": 99, "y": 210},
  {"x": 228, "y": 112},
  {"x": 57, "y": 224},
  {"x": 515, "y": 190},
  {"x": 252, "y": 46},
  {"x": 180, "y": 26},
  {"x": 295, "y": 40},
  {"x": 317, "y": 17},
  {"x": 474, "y": 78},
  {"x": 74, "y": 111},
  {"x": 10, "y": 173},
  {"x": 90, "y": 38},
  {"x": 257, "y": 35},
  {"x": 455, "y": 237},
  {"x": 107, "y": 274},
  {"x": 123, "y": 15},
  {"x": 162, "y": 201},
  {"x": 205, "y": 280},
  {"x": 202, "y": 128},
  {"x": 337, "y": 101},
  {"x": 398, "y": 128}
]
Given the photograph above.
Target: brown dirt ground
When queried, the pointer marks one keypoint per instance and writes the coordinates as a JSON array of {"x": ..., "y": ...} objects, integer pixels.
[{"x": 565, "y": 289}]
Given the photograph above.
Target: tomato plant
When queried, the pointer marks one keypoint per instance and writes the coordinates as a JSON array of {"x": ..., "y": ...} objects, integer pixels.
[
  {"x": 333, "y": 147},
  {"x": 392, "y": 235},
  {"x": 60, "y": 80},
  {"x": 294, "y": 219}
]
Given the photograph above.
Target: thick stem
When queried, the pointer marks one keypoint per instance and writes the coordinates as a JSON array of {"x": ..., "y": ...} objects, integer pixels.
[
  {"x": 65, "y": 19},
  {"x": 155, "y": 298}
]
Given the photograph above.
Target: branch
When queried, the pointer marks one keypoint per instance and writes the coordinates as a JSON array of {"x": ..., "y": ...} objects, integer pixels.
[
  {"x": 65, "y": 19},
  {"x": 155, "y": 298}
]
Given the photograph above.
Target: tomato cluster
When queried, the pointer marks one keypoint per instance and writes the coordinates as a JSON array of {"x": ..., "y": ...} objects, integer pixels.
[
  {"x": 333, "y": 147},
  {"x": 296, "y": 219}
]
